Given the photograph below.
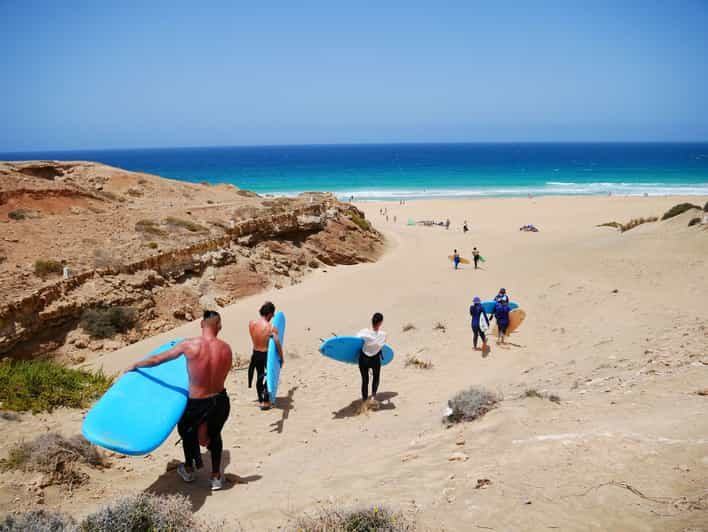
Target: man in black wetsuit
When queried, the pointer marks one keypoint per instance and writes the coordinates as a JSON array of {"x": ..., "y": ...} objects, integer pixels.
[{"x": 261, "y": 331}]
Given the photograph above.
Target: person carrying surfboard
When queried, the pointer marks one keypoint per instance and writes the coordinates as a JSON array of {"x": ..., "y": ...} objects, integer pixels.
[
  {"x": 501, "y": 313},
  {"x": 261, "y": 331},
  {"x": 209, "y": 361},
  {"x": 475, "y": 256},
  {"x": 370, "y": 357},
  {"x": 478, "y": 314},
  {"x": 456, "y": 258}
]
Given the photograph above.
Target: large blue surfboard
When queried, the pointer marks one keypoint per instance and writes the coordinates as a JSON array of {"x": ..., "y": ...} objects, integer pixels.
[
  {"x": 489, "y": 306},
  {"x": 142, "y": 407},
  {"x": 347, "y": 349},
  {"x": 273, "y": 360}
]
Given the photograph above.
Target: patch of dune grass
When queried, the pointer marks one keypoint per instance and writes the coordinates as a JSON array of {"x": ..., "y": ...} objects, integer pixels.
[
  {"x": 42, "y": 385},
  {"x": 43, "y": 268},
  {"x": 414, "y": 361},
  {"x": 408, "y": 327},
  {"x": 533, "y": 393},
  {"x": 634, "y": 222},
  {"x": 471, "y": 404},
  {"x": 360, "y": 222},
  {"x": 678, "y": 209},
  {"x": 189, "y": 225},
  {"x": 378, "y": 519},
  {"x": 57, "y": 458}
]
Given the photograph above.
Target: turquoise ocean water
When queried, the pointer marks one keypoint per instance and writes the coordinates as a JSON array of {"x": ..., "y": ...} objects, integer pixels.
[{"x": 395, "y": 171}]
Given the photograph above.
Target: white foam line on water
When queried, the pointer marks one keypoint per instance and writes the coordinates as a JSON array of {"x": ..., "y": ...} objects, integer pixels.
[{"x": 570, "y": 436}]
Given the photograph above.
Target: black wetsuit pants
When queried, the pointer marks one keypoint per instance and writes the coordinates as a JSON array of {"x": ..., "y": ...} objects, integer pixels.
[
  {"x": 258, "y": 363},
  {"x": 367, "y": 363},
  {"x": 214, "y": 411},
  {"x": 478, "y": 332},
  {"x": 476, "y": 260}
]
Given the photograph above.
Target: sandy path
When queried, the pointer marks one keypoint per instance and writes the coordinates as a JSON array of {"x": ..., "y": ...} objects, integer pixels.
[{"x": 626, "y": 366}]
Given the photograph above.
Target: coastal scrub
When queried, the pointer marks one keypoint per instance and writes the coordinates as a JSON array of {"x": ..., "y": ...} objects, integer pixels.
[
  {"x": 377, "y": 518},
  {"x": 470, "y": 404},
  {"x": 42, "y": 385},
  {"x": 678, "y": 209}
]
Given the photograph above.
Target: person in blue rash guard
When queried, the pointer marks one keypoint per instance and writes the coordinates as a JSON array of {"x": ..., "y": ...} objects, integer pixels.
[
  {"x": 456, "y": 258},
  {"x": 478, "y": 314},
  {"x": 501, "y": 313},
  {"x": 501, "y": 296}
]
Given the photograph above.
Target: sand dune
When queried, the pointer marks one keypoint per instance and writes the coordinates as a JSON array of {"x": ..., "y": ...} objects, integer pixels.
[{"x": 616, "y": 327}]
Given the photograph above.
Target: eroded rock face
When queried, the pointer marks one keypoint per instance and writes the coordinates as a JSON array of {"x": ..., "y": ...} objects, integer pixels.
[{"x": 220, "y": 244}]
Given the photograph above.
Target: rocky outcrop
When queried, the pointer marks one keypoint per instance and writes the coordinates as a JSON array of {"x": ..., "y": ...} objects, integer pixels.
[{"x": 280, "y": 244}]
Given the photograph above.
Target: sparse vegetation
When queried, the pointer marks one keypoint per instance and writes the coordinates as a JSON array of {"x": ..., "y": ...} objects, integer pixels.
[
  {"x": 678, "y": 209},
  {"x": 107, "y": 322},
  {"x": 185, "y": 224},
  {"x": 361, "y": 222},
  {"x": 470, "y": 404},
  {"x": 42, "y": 385},
  {"x": 137, "y": 513},
  {"x": 360, "y": 520},
  {"x": 152, "y": 245},
  {"x": 22, "y": 214},
  {"x": 694, "y": 221},
  {"x": 439, "y": 326},
  {"x": 38, "y": 521},
  {"x": 408, "y": 327},
  {"x": 533, "y": 393},
  {"x": 634, "y": 222},
  {"x": 57, "y": 458},
  {"x": 414, "y": 361},
  {"x": 44, "y": 268},
  {"x": 149, "y": 227},
  {"x": 106, "y": 259}
]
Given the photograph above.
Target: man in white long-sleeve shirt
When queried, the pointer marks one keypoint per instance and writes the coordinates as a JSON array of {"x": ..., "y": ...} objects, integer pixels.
[{"x": 370, "y": 356}]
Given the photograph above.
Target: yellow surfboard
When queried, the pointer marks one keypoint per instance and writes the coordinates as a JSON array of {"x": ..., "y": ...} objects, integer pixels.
[
  {"x": 462, "y": 259},
  {"x": 516, "y": 318}
]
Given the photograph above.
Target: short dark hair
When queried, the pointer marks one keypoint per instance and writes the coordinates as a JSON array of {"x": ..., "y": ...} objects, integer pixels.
[
  {"x": 376, "y": 318},
  {"x": 267, "y": 308},
  {"x": 211, "y": 316}
]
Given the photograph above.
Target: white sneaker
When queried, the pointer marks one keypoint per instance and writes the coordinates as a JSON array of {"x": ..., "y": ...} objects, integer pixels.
[
  {"x": 216, "y": 484},
  {"x": 186, "y": 475}
]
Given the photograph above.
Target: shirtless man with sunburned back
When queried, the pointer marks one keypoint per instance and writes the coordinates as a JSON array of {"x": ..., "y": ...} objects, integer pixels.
[
  {"x": 209, "y": 361},
  {"x": 261, "y": 331}
]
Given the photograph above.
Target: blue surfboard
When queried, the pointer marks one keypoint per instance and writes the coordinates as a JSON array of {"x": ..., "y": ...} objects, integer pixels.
[
  {"x": 347, "y": 349},
  {"x": 142, "y": 407},
  {"x": 273, "y": 360},
  {"x": 489, "y": 306}
]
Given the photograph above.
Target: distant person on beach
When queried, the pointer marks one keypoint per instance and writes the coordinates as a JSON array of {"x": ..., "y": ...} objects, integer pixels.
[
  {"x": 370, "y": 357},
  {"x": 456, "y": 258},
  {"x": 394, "y": 219},
  {"x": 501, "y": 296},
  {"x": 447, "y": 223},
  {"x": 464, "y": 227},
  {"x": 475, "y": 257},
  {"x": 262, "y": 330},
  {"x": 478, "y": 314},
  {"x": 208, "y": 364},
  {"x": 501, "y": 313}
]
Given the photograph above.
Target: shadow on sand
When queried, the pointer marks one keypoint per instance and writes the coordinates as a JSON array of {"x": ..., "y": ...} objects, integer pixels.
[
  {"x": 356, "y": 408},
  {"x": 286, "y": 405},
  {"x": 170, "y": 483}
]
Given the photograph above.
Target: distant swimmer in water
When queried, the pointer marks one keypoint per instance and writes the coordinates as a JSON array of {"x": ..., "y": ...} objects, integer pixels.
[
  {"x": 209, "y": 361},
  {"x": 478, "y": 314},
  {"x": 370, "y": 357},
  {"x": 262, "y": 330}
]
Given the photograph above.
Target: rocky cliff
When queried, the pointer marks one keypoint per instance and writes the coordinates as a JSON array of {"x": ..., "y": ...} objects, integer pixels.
[{"x": 164, "y": 248}]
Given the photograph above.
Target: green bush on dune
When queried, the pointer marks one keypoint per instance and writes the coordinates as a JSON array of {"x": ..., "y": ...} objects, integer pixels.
[
  {"x": 42, "y": 267},
  {"x": 678, "y": 209},
  {"x": 361, "y": 222},
  {"x": 42, "y": 385}
]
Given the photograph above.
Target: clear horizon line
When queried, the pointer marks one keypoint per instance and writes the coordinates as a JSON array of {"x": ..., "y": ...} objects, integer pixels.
[{"x": 352, "y": 144}]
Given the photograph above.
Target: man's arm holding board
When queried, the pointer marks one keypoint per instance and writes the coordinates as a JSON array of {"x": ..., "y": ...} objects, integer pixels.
[{"x": 161, "y": 358}]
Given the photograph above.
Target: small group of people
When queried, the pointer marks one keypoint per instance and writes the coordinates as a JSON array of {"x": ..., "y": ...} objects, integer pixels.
[
  {"x": 209, "y": 361},
  {"x": 456, "y": 258},
  {"x": 501, "y": 314}
]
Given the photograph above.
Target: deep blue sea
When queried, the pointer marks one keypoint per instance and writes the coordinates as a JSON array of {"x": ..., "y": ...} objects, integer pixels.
[{"x": 395, "y": 171}]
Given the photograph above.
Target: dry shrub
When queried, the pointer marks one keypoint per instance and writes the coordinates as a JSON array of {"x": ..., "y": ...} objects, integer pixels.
[
  {"x": 408, "y": 327},
  {"x": 439, "y": 326},
  {"x": 145, "y": 511},
  {"x": 615, "y": 225},
  {"x": 694, "y": 221},
  {"x": 43, "y": 268},
  {"x": 149, "y": 227},
  {"x": 378, "y": 519},
  {"x": 539, "y": 395},
  {"x": 185, "y": 224},
  {"x": 38, "y": 521},
  {"x": 470, "y": 404},
  {"x": 107, "y": 322},
  {"x": 634, "y": 222},
  {"x": 58, "y": 458},
  {"x": 678, "y": 209},
  {"x": 23, "y": 214},
  {"x": 414, "y": 361},
  {"x": 106, "y": 259}
]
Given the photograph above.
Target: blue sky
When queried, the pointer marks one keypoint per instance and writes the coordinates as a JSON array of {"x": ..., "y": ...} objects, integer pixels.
[{"x": 100, "y": 74}]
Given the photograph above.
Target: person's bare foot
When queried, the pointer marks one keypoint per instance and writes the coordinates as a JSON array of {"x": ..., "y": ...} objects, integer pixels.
[{"x": 266, "y": 406}]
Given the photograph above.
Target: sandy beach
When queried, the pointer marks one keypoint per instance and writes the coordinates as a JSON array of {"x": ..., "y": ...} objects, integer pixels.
[{"x": 616, "y": 327}]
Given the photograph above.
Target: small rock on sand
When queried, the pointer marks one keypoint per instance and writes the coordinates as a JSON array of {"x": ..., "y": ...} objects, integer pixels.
[{"x": 458, "y": 457}]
